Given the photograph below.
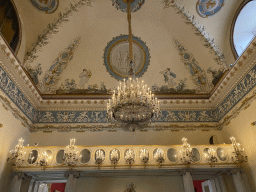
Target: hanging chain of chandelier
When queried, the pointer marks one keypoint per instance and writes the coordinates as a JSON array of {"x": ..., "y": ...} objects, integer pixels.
[{"x": 133, "y": 105}]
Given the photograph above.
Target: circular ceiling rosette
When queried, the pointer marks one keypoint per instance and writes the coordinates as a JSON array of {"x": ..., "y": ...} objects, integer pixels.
[
  {"x": 122, "y": 5},
  {"x": 117, "y": 61}
]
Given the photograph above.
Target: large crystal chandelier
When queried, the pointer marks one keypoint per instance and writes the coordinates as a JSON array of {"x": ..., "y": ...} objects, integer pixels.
[{"x": 133, "y": 105}]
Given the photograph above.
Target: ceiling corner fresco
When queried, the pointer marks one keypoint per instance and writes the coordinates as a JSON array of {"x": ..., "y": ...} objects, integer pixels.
[
  {"x": 52, "y": 28},
  {"x": 116, "y": 57},
  {"x": 46, "y": 82},
  {"x": 199, "y": 30}
]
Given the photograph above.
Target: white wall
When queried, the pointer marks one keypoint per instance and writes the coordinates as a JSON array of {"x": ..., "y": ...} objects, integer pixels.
[
  {"x": 123, "y": 138},
  {"x": 142, "y": 184},
  {"x": 11, "y": 131},
  {"x": 245, "y": 133}
]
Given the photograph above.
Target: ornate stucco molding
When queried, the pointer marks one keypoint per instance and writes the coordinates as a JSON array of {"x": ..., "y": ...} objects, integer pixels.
[
  {"x": 52, "y": 28},
  {"x": 7, "y": 104}
]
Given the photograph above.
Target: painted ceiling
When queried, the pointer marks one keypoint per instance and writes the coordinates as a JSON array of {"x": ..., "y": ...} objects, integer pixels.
[
  {"x": 174, "y": 54},
  {"x": 71, "y": 60}
]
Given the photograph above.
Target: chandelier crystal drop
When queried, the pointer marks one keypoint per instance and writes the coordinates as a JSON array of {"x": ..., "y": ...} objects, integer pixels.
[{"x": 132, "y": 105}]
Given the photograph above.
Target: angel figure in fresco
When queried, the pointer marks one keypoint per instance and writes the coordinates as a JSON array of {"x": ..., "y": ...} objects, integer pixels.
[
  {"x": 84, "y": 78},
  {"x": 168, "y": 77}
]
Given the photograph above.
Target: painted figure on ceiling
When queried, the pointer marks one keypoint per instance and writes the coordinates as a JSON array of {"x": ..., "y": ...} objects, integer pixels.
[
  {"x": 35, "y": 72},
  {"x": 84, "y": 78},
  {"x": 168, "y": 77}
]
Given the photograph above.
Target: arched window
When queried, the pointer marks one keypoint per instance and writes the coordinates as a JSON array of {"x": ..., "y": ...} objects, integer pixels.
[
  {"x": 243, "y": 27},
  {"x": 9, "y": 24}
]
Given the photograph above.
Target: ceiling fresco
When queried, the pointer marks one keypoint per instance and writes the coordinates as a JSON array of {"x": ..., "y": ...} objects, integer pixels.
[
  {"x": 73, "y": 66},
  {"x": 170, "y": 61}
]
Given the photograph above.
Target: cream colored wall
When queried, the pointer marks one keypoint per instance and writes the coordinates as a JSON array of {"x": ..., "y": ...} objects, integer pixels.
[
  {"x": 143, "y": 183},
  {"x": 11, "y": 131},
  {"x": 123, "y": 138},
  {"x": 245, "y": 133}
]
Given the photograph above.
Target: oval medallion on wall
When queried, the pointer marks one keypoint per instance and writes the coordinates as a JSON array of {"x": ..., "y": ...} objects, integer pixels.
[
  {"x": 116, "y": 57},
  {"x": 206, "y": 8},
  {"x": 48, "y": 6}
]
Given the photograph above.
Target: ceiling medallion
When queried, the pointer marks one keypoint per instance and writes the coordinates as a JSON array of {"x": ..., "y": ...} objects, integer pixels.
[
  {"x": 48, "y": 6},
  {"x": 122, "y": 5},
  {"x": 116, "y": 57},
  {"x": 206, "y": 8}
]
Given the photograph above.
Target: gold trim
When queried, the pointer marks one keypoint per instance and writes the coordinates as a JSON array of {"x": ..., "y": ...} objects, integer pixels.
[
  {"x": 126, "y": 146},
  {"x": 132, "y": 165}
]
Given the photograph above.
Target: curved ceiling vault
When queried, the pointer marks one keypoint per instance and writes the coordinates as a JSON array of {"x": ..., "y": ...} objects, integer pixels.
[
  {"x": 178, "y": 61},
  {"x": 79, "y": 58}
]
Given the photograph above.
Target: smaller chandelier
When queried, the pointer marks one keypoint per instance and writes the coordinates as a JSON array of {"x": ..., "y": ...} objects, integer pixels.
[
  {"x": 44, "y": 160},
  {"x": 144, "y": 156},
  {"x": 114, "y": 156},
  {"x": 17, "y": 154},
  {"x": 70, "y": 157},
  {"x": 158, "y": 155},
  {"x": 211, "y": 156},
  {"x": 129, "y": 156},
  {"x": 237, "y": 156},
  {"x": 187, "y": 156},
  {"x": 99, "y": 156}
]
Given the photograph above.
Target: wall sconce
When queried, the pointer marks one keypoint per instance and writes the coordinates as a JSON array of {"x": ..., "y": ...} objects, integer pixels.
[
  {"x": 99, "y": 156},
  {"x": 210, "y": 155},
  {"x": 17, "y": 153},
  {"x": 129, "y": 156},
  {"x": 238, "y": 156},
  {"x": 70, "y": 156},
  {"x": 187, "y": 156},
  {"x": 253, "y": 123},
  {"x": 114, "y": 156},
  {"x": 158, "y": 155},
  {"x": 144, "y": 156}
]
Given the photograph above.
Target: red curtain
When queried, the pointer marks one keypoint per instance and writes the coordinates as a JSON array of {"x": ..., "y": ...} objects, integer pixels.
[
  {"x": 198, "y": 186},
  {"x": 58, "y": 186}
]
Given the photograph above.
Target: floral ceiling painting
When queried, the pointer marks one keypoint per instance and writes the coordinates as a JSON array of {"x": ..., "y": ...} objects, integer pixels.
[{"x": 92, "y": 60}]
